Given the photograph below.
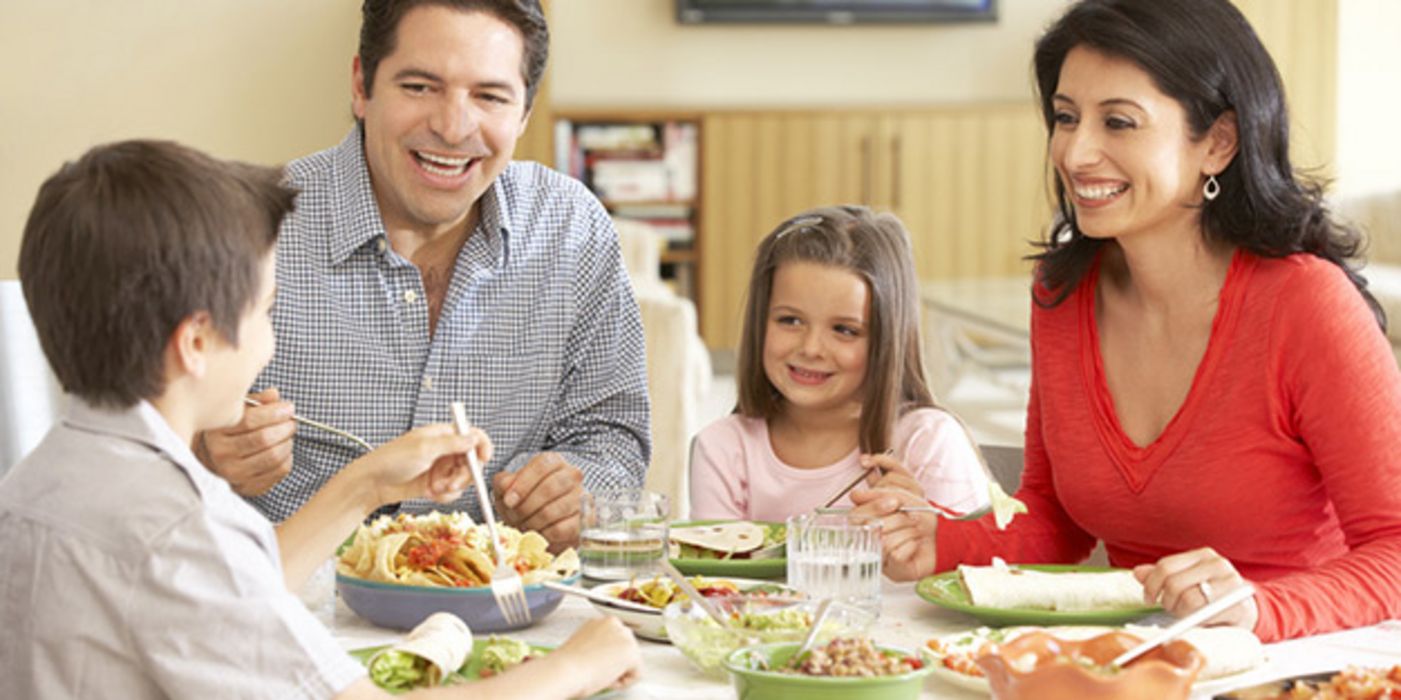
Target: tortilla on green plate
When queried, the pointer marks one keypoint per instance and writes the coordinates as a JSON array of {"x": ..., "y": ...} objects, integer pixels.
[
  {"x": 772, "y": 562},
  {"x": 946, "y": 590},
  {"x": 472, "y": 669}
]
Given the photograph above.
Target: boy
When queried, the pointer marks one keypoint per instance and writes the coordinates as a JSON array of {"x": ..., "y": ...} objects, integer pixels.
[{"x": 135, "y": 571}]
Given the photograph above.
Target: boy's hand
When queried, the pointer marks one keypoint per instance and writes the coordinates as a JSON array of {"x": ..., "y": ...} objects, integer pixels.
[
  {"x": 425, "y": 462},
  {"x": 544, "y": 496},
  {"x": 256, "y": 453},
  {"x": 602, "y": 654},
  {"x": 907, "y": 539}
]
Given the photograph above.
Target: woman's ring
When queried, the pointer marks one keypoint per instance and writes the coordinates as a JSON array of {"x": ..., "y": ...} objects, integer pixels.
[{"x": 1205, "y": 587}]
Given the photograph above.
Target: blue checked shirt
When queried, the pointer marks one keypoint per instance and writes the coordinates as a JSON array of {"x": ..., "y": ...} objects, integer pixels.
[{"x": 539, "y": 333}]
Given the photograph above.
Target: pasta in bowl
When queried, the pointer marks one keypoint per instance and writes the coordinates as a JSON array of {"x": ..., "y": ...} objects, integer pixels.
[{"x": 396, "y": 571}]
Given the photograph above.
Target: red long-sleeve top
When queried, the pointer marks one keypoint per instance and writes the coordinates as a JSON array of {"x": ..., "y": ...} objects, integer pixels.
[{"x": 1285, "y": 456}]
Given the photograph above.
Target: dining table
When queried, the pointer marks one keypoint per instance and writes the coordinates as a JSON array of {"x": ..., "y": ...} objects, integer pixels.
[{"x": 906, "y": 620}]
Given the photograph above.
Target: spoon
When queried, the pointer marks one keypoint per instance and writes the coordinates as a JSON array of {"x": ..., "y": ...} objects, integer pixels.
[
  {"x": 811, "y": 637},
  {"x": 695, "y": 596},
  {"x": 1201, "y": 615}
]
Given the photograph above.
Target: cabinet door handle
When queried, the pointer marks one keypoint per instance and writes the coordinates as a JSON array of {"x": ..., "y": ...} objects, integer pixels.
[
  {"x": 866, "y": 169},
  {"x": 895, "y": 171}
]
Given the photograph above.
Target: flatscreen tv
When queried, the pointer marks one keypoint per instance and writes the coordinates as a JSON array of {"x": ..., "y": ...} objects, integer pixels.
[{"x": 834, "y": 11}]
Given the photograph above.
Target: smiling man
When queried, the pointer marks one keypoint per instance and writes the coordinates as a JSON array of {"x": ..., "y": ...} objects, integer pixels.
[{"x": 422, "y": 266}]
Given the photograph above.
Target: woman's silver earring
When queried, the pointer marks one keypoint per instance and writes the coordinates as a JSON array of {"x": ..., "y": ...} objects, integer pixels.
[{"x": 1211, "y": 189}]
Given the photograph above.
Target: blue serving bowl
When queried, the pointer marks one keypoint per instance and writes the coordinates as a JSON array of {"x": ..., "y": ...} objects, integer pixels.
[{"x": 402, "y": 607}]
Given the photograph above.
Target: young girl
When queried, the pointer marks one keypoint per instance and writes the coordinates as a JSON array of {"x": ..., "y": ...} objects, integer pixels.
[{"x": 830, "y": 380}]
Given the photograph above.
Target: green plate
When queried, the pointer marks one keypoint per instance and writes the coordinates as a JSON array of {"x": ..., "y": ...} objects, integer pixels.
[
  {"x": 946, "y": 590},
  {"x": 745, "y": 568}
]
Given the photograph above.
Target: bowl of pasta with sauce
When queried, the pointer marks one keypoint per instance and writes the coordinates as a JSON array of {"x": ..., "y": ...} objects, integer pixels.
[{"x": 396, "y": 571}]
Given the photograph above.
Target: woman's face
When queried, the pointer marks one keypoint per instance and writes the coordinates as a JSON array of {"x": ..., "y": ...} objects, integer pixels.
[{"x": 1123, "y": 150}]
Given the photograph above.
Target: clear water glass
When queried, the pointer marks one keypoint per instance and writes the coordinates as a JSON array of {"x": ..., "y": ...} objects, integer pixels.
[
  {"x": 836, "y": 556},
  {"x": 622, "y": 533}
]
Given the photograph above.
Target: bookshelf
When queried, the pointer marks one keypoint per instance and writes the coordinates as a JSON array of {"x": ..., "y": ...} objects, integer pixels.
[{"x": 643, "y": 165}]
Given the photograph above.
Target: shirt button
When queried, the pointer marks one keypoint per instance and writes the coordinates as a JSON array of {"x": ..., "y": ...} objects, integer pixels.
[
  {"x": 381, "y": 245},
  {"x": 427, "y": 383},
  {"x": 410, "y": 296}
]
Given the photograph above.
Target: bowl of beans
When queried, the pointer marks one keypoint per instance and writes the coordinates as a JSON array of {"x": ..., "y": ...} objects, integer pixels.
[{"x": 846, "y": 668}]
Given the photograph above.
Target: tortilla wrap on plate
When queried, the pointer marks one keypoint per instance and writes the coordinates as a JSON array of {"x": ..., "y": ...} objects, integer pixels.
[
  {"x": 1001, "y": 586},
  {"x": 731, "y": 538},
  {"x": 442, "y": 639}
]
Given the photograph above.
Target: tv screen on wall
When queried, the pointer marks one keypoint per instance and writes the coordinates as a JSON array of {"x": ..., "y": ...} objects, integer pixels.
[{"x": 834, "y": 11}]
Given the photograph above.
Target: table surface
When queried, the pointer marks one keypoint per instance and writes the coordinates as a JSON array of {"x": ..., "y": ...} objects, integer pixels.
[{"x": 908, "y": 621}]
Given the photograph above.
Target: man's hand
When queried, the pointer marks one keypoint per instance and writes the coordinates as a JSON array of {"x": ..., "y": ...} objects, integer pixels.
[
  {"x": 256, "y": 453},
  {"x": 543, "y": 496},
  {"x": 426, "y": 462}
]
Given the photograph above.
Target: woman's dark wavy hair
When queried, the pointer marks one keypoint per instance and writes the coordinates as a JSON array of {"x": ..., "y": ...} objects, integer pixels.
[{"x": 1205, "y": 55}]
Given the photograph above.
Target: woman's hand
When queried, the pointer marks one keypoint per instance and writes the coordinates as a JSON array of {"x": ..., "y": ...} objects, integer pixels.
[
  {"x": 426, "y": 462},
  {"x": 907, "y": 539},
  {"x": 1184, "y": 582}
]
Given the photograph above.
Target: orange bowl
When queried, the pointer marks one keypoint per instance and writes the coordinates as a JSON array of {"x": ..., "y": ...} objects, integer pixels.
[{"x": 1042, "y": 667}]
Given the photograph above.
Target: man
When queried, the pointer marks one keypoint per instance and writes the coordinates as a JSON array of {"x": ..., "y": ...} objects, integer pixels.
[{"x": 422, "y": 267}]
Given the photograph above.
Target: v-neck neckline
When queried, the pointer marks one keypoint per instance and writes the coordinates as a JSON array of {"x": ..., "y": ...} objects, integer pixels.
[{"x": 1138, "y": 463}]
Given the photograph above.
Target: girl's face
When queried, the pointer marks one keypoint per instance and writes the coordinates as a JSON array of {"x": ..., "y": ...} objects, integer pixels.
[
  {"x": 815, "y": 342},
  {"x": 1123, "y": 149}
]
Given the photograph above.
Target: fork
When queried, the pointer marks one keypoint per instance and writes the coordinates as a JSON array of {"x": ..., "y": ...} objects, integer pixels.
[
  {"x": 319, "y": 425},
  {"x": 506, "y": 585}
]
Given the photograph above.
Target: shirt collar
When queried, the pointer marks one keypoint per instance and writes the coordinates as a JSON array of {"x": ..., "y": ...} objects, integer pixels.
[
  {"x": 356, "y": 219},
  {"x": 144, "y": 425}
]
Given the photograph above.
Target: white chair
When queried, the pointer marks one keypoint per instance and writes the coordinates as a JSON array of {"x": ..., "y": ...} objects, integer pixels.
[
  {"x": 678, "y": 364},
  {"x": 30, "y": 398}
]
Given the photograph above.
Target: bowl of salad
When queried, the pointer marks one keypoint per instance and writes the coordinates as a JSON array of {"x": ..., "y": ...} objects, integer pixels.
[
  {"x": 753, "y": 620},
  {"x": 845, "y": 668}
]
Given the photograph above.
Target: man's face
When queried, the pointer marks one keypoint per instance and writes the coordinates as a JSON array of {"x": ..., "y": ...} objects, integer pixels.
[{"x": 448, "y": 105}]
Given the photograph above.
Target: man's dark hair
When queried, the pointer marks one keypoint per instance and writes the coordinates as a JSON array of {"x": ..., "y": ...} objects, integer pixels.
[
  {"x": 130, "y": 240},
  {"x": 380, "y": 20}
]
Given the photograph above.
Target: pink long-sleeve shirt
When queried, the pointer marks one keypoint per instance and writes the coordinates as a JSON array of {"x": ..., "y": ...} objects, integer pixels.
[
  {"x": 1285, "y": 456},
  {"x": 735, "y": 473}
]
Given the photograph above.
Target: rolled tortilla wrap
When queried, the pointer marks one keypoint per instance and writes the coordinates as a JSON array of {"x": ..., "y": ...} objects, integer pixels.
[
  {"x": 1004, "y": 587},
  {"x": 443, "y": 640}
]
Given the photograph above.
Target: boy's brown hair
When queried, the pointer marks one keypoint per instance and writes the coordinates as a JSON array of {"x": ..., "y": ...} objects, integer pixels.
[
  {"x": 876, "y": 248},
  {"x": 127, "y": 242}
]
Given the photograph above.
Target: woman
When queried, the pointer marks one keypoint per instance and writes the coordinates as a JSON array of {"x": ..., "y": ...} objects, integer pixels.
[{"x": 1212, "y": 393}]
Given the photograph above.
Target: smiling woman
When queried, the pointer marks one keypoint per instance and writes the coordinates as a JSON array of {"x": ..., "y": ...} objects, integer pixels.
[{"x": 1198, "y": 339}]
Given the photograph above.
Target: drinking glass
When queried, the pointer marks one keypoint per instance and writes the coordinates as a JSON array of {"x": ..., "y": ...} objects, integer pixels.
[
  {"x": 318, "y": 594},
  {"x": 622, "y": 533},
  {"x": 836, "y": 556}
]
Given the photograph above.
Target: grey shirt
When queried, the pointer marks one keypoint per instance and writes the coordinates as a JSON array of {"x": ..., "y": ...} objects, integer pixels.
[{"x": 131, "y": 571}]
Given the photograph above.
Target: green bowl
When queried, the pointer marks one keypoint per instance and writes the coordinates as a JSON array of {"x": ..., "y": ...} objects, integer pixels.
[{"x": 752, "y": 684}]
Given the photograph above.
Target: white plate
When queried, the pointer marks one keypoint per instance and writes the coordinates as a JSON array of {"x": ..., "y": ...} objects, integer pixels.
[
  {"x": 973, "y": 639},
  {"x": 650, "y": 625}
]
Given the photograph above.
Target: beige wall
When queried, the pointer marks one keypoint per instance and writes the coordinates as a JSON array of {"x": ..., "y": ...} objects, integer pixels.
[
  {"x": 258, "y": 80},
  {"x": 1369, "y": 97},
  {"x": 613, "y": 53}
]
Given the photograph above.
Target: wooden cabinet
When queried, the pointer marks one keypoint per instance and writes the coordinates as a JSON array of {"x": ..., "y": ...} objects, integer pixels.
[{"x": 968, "y": 182}]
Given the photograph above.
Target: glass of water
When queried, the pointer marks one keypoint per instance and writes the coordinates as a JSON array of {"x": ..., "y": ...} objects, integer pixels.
[
  {"x": 623, "y": 533},
  {"x": 836, "y": 556}
]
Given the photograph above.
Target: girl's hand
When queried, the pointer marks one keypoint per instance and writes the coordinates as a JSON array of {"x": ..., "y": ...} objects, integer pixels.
[
  {"x": 1184, "y": 582},
  {"x": 891, "y": 475},
  {"x": 907, "y": 539},
  {"x": 426, "y": 462}
]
